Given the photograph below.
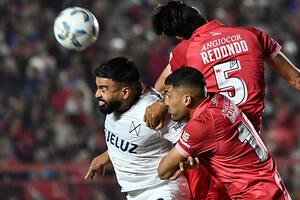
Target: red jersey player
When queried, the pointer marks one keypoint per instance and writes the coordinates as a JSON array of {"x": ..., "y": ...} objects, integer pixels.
[
  {"x": 230, "y": 58},
  {"x": 221, "y": 135}
]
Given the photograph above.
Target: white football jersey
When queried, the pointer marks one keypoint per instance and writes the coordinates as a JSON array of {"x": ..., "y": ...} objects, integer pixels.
[{"x": 136, "y": 150}]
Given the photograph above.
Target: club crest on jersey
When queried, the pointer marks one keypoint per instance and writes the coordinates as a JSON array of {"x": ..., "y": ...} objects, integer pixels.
[
  {"x": 135, "y": 128},
  {"x": 185, "y": 136}
]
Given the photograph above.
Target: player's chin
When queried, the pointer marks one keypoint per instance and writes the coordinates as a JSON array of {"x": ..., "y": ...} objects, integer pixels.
[{"x": 104, "y": 109}]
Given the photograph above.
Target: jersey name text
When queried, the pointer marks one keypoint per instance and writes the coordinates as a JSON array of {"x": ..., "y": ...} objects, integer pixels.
[{"x": 222, "y": 48}]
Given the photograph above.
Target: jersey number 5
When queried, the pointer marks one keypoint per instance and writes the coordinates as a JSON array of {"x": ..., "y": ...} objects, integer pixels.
[{"x": 232, "y": 87}]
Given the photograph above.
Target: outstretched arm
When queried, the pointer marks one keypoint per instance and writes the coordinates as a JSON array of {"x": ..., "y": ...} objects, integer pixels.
[{"x": 285, "y": 68}]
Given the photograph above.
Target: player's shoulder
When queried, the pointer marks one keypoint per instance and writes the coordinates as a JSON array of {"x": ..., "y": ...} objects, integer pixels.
[
  {"x": 245, "y": 29},
  {"x": 182, "y": 46},
  {"x": 208, "y": 110},
  {"x": 137, "y": 110},
  {"x": 205, "y": 116},
  {"x": 201, "y": 125},
  {"x": 148, "y": 97},
  {"x": 202, "y": 120}
]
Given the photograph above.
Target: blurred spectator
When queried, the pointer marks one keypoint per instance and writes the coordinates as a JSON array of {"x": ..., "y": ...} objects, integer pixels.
[{"x": 47, "y": 112}]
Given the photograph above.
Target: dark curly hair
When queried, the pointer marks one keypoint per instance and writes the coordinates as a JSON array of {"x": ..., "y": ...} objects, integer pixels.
[
  {"x": 119, "y": 69},
  {"x": 176, "y": 18}
]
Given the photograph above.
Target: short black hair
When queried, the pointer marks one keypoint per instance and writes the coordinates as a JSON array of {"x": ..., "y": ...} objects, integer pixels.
[
  {"x": 187, "y": 77},
  {"x": 176, "y": 18},
  {"x": 119, "y": 69}
]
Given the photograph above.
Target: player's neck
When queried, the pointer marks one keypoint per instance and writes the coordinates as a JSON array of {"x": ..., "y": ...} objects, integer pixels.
[{"x": 195, "y": 106}]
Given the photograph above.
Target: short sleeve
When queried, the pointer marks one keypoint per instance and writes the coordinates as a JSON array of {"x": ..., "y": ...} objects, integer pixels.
[
  {"x": 270, "y": 46},
  {"x": 178, "y": 55},
  {"x": 198, "y": 137}
]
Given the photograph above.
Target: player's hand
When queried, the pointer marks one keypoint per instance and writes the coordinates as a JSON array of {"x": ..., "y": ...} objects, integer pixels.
[
  {"x": 155, "y": 115},
  {"x": 176, "y": 175},
  {"x": 98, "y": 166},
  {"x": 190, "y": 163}
]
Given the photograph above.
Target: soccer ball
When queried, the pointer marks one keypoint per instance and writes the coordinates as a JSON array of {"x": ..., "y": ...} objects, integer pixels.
[{"x": 76, "y": 28}]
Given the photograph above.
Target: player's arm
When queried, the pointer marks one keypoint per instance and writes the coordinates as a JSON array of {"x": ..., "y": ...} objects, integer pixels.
[
  {"x": 169, "y": 165},
  {"x": 155, "y": 114},
  {"x": 285, "y": 68},
  {"x": 172, "y": 132},
  {"x": 190, "y": 163},
  {"x": 160, "y": 82},
  {"x": 98, "y": 165}
]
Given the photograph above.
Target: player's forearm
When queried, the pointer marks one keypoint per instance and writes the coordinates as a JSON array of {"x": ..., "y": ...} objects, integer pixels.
[
  {"x": 160, "y": 82},
  {"x": 166, "y": 169},
  {"x": 170, "y": 164},
  {"x": 291, "y": 72},
  {"x": 105, "y": 156},
  {"x": 285, "y": 68},
  {"x": 159, "y": 85}
]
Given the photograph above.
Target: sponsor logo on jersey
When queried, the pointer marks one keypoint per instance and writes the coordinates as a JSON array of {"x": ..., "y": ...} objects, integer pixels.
[
  {"x": 184, "y": 138},
  {"x": 223, "y": 47},
  {"x": 116, "y": 141},
  {"x": 135, "y": 128},
  {"x": 215, "y": 33}
]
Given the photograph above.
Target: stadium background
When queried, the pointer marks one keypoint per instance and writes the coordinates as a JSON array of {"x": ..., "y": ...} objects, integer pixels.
[{"x": 50, "y": 127}]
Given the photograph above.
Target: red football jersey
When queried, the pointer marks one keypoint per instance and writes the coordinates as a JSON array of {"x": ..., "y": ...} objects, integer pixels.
[
  {"x": 203, "y": 186},
  {"x": 222, "y": 136},
  {"x": 231, "y": 60}
]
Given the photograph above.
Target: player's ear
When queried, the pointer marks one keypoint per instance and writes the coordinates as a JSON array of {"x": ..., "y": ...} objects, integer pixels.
[
  {"x": 187, "y": 100},
  {"x": 125, "y": 92}
]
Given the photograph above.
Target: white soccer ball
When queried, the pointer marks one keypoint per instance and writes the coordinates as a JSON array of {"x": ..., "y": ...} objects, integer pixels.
[{"x": 76, "y": 28}]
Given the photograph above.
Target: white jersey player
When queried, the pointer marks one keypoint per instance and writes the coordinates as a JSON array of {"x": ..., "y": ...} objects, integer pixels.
[{"x": 134, "y": 149}]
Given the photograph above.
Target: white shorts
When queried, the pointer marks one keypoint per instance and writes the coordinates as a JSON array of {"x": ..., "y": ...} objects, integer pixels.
[{"x": 172, "y": 190}]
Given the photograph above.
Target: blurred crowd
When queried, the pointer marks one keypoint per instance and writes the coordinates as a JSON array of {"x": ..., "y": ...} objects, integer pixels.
[{"x": 47, "y": 109}]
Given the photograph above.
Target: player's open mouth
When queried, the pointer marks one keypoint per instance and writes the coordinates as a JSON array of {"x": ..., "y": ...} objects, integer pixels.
[{"x": 101, "y": 103}]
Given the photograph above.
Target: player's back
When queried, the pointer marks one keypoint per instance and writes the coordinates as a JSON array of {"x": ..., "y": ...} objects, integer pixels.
[
  {"x": 233, "y": 151},
  {"x": 242, "y": 159},
  {"x": 232, "y": 62}
]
